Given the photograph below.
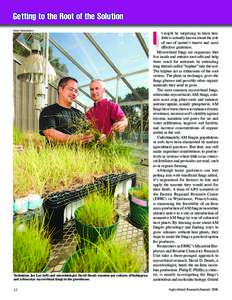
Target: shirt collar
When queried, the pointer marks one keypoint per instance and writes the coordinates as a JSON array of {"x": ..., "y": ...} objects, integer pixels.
[{"x": 99, "y": 102}]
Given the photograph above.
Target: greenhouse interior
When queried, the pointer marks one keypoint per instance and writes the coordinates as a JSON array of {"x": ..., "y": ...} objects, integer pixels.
[{"x": 80, "y": 207}]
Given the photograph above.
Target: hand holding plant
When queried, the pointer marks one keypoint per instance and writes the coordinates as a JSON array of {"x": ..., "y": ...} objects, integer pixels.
[
  {"x": 102, "y": 139},
  {"x": 81, "y": 139},
  {"x": 86, "y": 138},
  {"x": 120, "y": 126}
]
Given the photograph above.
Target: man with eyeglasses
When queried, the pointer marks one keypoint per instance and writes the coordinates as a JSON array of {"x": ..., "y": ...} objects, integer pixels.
[
  {"x": 105, "y": 115},
  {"x": 57, "y": 121}
]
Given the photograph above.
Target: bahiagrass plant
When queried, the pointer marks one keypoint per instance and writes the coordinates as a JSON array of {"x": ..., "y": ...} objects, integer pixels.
[
  {"x": 97, "y": 219},
  {"x": 146, "y": 234},
  {"x": 106, "y": 257},
  {"x": 84, "y": 127},
  {"x": 26, "y": 139},
  {"x": 63, "y": 167},
  {"x": 98, "y": 210},
  {"x": 31, "y": 248},
  {"x": 141, "y": 192}
]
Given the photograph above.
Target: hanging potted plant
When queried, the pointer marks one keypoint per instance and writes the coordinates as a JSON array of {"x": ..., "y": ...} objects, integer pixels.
[
  {"x": 97, "y": 218},
  {"x": 138, "y": 199},
  {"x": 105, "y": 257},
  {"x": 31, "y": 248}
]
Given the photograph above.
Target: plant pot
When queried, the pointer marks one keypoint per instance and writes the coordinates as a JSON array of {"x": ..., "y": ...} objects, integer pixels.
[
  {"x": 91, "y": 234},
  {"x": 70, "y": 260},
  {"x": 138, "y": 209}
]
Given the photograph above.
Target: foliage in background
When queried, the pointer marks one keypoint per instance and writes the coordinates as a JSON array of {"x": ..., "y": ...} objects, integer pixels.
[
  {"x": 134, "y": 115},
  {"x": 142, "y": 91}
]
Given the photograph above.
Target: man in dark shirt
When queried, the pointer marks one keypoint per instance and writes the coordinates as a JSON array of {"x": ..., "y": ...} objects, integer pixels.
[{"x": 57, "y": 121}]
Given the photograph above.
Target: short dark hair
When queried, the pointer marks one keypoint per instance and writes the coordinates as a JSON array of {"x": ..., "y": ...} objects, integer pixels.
[{"x": 63, "y": 82}]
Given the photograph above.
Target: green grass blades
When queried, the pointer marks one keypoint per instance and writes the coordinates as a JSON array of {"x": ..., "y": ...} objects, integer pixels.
[
  {"x": 141, "y": 192},
  {"x": 62, "y": 167},
  {"x": 98, "y": 210},
  {"x": 17, "y": 137},
  {"x": 31, "y": 248},
  {"x": 146, "y": 233},
  {"x": 27, "y": 138},
  {"x": 106, "y": 257}
]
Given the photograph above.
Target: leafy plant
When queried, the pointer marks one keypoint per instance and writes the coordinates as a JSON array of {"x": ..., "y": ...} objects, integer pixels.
[
  {"x": 108, "y": 257},
  {"x": 31, "y": 248},
  {"x": 84, "y": 127},
  {"x": 81, "y": 125},
  {"x": 98, "y": 210}
]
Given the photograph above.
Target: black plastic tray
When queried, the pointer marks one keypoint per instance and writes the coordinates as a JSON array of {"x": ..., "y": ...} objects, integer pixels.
[{"x": 54, "y": 204}]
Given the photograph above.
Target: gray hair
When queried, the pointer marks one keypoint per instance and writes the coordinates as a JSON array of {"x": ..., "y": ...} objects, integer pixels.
[{"x": 98, "y": 80}]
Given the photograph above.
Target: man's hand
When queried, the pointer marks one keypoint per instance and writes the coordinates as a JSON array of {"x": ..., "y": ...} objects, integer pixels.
[
  {"x": 101, "y": 139},
  {"x": 86, "y": 138},
  {"x": 56, "y": 136},
  {"x": 81, "y": 138},
  {"x": 120, "y": 126}
]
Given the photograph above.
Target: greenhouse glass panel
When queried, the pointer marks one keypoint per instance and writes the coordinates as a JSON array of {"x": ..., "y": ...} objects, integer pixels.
[
  {"x": 124, "y": 50},
  {"x": 69, "y": 69},
  {"x": 84, "y": 53}
]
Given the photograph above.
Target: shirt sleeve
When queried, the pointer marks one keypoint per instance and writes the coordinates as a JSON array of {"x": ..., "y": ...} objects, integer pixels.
[
  {"x": 116, "y": 112},
  {"x": 47, "y": 120},
  {"x": 88, "y": 115}
]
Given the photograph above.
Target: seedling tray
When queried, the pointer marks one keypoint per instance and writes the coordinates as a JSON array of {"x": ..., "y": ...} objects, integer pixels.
[{"x": 54, "y": 204}]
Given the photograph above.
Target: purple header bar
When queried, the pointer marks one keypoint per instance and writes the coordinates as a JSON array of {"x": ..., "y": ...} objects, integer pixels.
[{"x": 116, "y": 12}]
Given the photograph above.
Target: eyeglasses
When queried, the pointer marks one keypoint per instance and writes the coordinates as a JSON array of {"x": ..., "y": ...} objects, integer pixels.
[{"x": 75, "y": 91}]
